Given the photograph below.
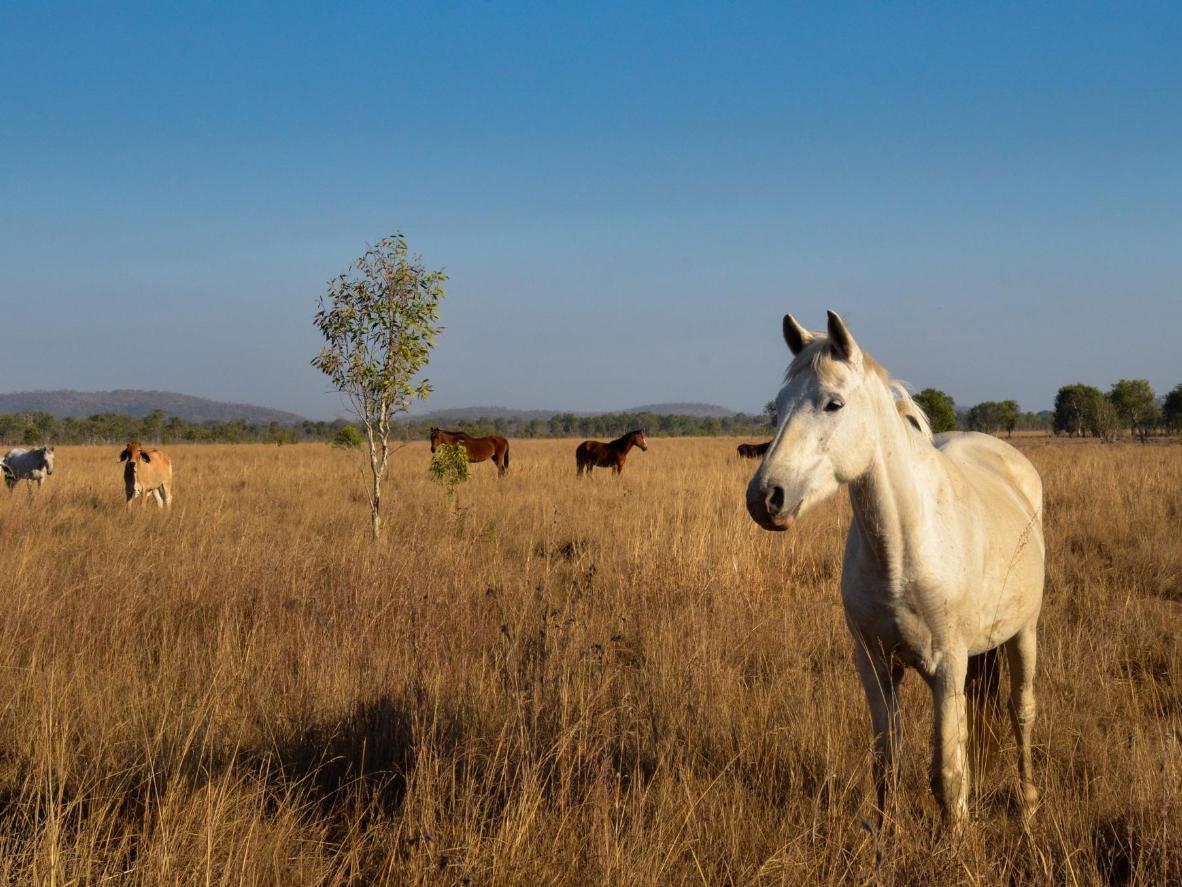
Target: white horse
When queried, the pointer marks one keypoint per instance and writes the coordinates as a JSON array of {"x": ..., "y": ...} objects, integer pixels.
[
  {"x": 944, "y": 558},
  {"x": 29, "y": 465}
]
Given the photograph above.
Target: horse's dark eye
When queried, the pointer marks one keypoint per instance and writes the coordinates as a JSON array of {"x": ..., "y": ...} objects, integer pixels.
[{"x": 833, "y": 406}]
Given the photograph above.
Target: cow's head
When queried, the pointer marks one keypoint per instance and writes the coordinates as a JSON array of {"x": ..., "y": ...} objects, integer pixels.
[{"x": 132, "y": 454}]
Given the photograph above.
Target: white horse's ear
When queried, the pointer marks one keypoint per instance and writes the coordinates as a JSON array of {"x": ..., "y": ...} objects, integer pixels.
[
  {"x": 797, "y": 337},
  {"x": 844, "y": 346}
]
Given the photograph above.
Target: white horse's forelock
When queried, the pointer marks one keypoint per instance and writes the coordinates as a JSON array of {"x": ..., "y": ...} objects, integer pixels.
[{"x": 818, "y": 358}]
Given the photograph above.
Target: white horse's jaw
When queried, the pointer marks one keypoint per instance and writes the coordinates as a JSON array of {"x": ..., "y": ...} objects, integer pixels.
[{"x": 757, "y": 507}]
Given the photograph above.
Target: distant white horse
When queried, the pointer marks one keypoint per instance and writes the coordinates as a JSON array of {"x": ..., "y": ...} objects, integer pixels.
[
  {"x": 944, "y": 558},
  {"x": 28, "y": 465}
]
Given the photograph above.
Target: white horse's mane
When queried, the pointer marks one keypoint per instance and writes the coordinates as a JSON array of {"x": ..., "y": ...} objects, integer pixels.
[{"x": 818, "y": 357}]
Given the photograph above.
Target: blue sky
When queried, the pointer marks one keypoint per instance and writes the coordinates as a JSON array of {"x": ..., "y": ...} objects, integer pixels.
[{"x": 627, "y": 197}]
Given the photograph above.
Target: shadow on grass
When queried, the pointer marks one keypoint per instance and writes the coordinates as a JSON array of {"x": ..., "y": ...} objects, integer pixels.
[{"x": 367, "y": 753}]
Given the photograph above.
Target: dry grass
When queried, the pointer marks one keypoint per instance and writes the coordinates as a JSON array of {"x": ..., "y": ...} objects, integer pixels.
[{"x": 576, "y": 683}]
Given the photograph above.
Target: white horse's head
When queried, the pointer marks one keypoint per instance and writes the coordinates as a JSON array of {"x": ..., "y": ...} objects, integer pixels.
[{"x": 830, "y": 410}]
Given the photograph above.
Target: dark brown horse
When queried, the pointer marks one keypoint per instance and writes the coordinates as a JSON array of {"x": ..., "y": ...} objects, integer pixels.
[
  {"x": 753, "y": 451},
  {"x": 492, "y": 447},
  {"x": 593, "y": 454}
]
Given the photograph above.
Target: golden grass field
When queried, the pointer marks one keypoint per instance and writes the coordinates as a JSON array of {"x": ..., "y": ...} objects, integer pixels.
[{"x": 559, "y": 682}]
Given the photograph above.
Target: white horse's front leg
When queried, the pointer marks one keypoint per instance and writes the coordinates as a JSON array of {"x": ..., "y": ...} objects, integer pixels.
[
  {"x": 880, "y": 682},
  {"x": 950, "y": 772}
]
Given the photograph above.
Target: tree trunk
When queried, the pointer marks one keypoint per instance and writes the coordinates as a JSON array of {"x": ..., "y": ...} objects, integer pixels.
[{"x": 375, "y": 503}]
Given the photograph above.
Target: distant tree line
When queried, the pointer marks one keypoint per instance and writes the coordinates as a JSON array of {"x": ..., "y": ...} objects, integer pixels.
[
  {"x": 990, "y": 416},
  {"x": 34, "y": 428},
  {"x": 1080, "y": 410},
  {"x": 605, "y": 425}
]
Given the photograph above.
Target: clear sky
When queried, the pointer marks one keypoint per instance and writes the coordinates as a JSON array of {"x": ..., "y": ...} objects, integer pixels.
[{"x": 627, "y": 197}]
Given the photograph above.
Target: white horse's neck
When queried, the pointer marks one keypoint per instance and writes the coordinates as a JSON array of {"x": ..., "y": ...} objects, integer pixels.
[{"x": 887, "y": 498}]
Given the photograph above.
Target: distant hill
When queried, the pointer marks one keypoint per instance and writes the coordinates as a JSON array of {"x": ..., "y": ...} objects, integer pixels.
[
  {"x": 705, "y": 410},
  {"x": 460, "y": 414},
  {"x": 132, "y": 402}
]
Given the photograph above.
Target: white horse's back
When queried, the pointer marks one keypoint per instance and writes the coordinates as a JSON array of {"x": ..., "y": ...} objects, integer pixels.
[{"x": 993, "y": 464}]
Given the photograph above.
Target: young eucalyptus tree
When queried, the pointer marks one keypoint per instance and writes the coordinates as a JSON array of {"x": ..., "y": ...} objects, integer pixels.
[{"x": 379, "y": 321}]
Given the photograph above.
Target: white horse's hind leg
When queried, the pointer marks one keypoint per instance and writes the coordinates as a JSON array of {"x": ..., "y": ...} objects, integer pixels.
[
  {"x": 155, "y": 494},
  {"x": 167, "y": 493},
  {"x": 1021, "y": 652},
  {"x": 880, "y": 682},
  {"x": 950, "y": 773}
]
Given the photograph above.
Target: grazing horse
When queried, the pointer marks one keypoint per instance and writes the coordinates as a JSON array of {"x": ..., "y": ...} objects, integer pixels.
[
  {"x": 478, "y": 449},
  {"x": 944, "y": 559},
  {"x": 147, "y": 473},
  {"x": 593, "y": 454},
  {"x": 32, "y": 466},
  {"x": 753, "y": 451}
]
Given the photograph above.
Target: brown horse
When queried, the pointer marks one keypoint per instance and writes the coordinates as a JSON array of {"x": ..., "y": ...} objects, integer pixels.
[
  {"x": 753, "y": 451},
  {"x": 492, "y": 447},
  {"x": 593, "y": 454}
]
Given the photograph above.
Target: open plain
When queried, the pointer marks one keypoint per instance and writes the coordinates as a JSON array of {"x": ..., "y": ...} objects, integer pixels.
[{"x": 544, "y": 680}]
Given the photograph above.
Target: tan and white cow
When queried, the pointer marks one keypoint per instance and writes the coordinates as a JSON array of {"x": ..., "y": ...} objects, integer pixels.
[{"x": 147, "y": 473}]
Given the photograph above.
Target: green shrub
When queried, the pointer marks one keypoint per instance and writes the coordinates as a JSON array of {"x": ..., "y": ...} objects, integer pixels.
[
  {"x": 449, "y": 466},
  {"x": 348, "y": 438}
]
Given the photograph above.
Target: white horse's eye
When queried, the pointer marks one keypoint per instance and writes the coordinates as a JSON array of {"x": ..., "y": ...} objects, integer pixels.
[{"x": 833, "y": 406}]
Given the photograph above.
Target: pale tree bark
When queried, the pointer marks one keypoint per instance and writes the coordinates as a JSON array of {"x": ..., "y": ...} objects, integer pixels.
[{"x": 376, "y": 418}]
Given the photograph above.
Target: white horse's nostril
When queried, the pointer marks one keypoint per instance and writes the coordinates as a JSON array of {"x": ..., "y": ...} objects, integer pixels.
[{"x": 775, "y": 500}]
